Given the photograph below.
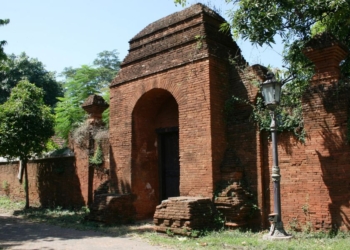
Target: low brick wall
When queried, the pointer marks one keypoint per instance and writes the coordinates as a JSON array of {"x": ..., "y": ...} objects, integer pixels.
[{"x": 51, "y": 182}]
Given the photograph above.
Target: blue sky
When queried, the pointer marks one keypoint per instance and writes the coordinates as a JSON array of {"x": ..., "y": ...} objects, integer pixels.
[{"x": 72, "y": 32}]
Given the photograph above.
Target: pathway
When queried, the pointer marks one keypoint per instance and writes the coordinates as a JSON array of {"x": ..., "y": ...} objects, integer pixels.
[{"x": 17, "y": 233}]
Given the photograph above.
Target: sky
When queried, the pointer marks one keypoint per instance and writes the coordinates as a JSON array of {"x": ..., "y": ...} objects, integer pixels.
[{"x": 72, "y": 32}]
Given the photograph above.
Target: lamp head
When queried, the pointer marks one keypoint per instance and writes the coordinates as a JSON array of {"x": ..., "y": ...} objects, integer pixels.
[{"x": 271, "y": 91}]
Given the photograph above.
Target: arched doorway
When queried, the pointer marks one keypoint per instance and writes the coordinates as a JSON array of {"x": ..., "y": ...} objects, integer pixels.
[{"x": 155, "y": 151}]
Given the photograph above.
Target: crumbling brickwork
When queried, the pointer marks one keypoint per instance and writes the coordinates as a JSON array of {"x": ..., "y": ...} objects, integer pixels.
[{"x": 182, "y": 215}]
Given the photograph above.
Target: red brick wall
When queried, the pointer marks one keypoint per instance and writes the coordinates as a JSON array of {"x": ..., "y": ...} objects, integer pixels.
[
  {"x": 219, "y": 93},
  {"x": 243, "y": 156},
  {"x": 15, "y": 190},
  {"x": 64, "y": 181},
  {"x": 52, "y": 182},
  {"x": 315, "y": 176}
]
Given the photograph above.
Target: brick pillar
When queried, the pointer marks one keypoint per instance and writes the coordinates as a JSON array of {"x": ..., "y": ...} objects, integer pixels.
[
  {"x": 326, "y": 53},
  {"x": 324, "y": 176},
  {"x": 94, "y": 105}
]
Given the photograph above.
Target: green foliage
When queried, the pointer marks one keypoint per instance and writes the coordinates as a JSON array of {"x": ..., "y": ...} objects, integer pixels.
[
  {"x": 3, "y": 43},
  {"x": 260, "y": 21},
  {"x": 97, "y": 158},
  {"x": 199, "y": 40},
  {"x": 6, "y": 187},
  {"x": 294, "y": 225},
  {"x": 181, "y": 2},
  {"x": 219, "y": 220},
  {"x": 105, "y": 114},
  {"x": 26, "y": 125},
  {"x": 289, "y": 112},
  {"x": 109, "y": 63},
  {"x": 24, "y": 185},
  {"x": 69, "y": 113},
  {"x": 241, "y": 239},
  {"x": 223, "y": 239},
  {"x": 169, "y": 232},
  {"x": 78, "y": 85},
  {"x": 7, "y": 205},
  {"x": 51, "y": 145},
  {"x": 296, "y": 22},
  {"x": 26, "y": 122},
  {"x": 22, "y": 67}
]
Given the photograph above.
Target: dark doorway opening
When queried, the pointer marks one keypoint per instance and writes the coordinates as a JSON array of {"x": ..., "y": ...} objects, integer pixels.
[{"x": 169, "y": 165}]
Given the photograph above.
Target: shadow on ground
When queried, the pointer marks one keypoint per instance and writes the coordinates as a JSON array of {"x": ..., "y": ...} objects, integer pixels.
[{"x": 17, "y": 232}]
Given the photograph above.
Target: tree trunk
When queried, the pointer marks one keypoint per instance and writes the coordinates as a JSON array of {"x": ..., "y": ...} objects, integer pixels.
[{"x": 26, "y": 188}]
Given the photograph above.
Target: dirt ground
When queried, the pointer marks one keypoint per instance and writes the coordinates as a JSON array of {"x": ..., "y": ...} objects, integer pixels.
[{"x": 17, "y": 233}]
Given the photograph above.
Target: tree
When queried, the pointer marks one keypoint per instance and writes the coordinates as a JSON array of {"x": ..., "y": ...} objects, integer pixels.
[
  {"x": 260, "y": 21},
  {"x": 2, "y": 43},
  {"x": 23, "y": 67},
  {"x": 79, "y": 84},
  {"x": 296, "y": 22},
  {"x": 26, "y": 125}
]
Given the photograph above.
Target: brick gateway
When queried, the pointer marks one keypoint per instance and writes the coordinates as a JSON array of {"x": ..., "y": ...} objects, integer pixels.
[
  {"x": 170, "y": 137},
  {"x": 179, "y": 72}
]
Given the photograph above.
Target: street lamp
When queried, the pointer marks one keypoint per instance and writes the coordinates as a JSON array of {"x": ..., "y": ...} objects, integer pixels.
[{"x": 271, "y": 91}]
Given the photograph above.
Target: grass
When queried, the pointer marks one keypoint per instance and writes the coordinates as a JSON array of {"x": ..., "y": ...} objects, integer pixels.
[
  {"x": 6, "y": 205},
  {"x": 224, "y": 239},
  {"x": 70, "y": 218},
  {"x": 236, "y": 239}
]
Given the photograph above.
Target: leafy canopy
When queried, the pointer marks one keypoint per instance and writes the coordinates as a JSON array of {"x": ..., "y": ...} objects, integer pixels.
[
  {"x": 2, "y": 43},
  {"x": 23, "y": 67},
  {"x": 296, "y": 22},
  {"x": 26, "y": 122},
  {"x": 79, "y": 84},
  {"x": 260, "y": 21}
]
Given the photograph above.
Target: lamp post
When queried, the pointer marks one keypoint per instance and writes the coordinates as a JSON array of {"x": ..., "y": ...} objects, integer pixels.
[{"x": 271, "y": 91}]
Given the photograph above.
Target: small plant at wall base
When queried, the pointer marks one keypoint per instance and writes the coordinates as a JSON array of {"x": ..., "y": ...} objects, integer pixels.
[
  {"x": 6, "y": 187},
  {"x": 308, "y": 226},
  {"x": 169, "y": 232},
  {"x": 294, "y": 224},
  {"x": 219, "y": 220}
]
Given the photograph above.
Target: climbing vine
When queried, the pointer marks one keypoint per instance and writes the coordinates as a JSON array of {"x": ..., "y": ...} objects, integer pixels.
[
  {"x": 289, "y": 112},
  {"x": 97, "y": 158}
]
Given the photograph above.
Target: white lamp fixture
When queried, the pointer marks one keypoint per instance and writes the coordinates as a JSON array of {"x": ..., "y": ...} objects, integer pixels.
[{"x": 271, "y": 91}]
